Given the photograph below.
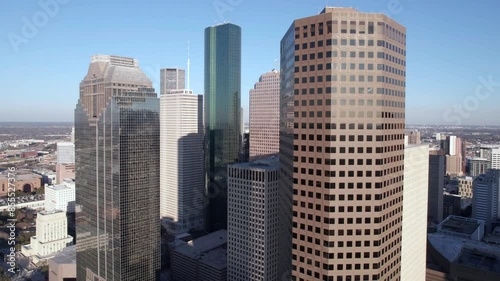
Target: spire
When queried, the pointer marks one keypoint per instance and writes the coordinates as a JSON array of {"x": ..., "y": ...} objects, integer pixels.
[{"x": 188, "y": 63}]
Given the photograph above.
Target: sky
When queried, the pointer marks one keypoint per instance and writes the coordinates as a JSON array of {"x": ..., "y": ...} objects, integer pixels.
[{"x": 453, "y": 63}]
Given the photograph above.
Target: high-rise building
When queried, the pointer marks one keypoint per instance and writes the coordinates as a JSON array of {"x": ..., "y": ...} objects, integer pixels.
[
  {"x": 181, "y": 161},
  {"x": 342, "y": 144},
  {"x": 485, "y": 203},
  {"x": 492, "y": 154},
  {"x": 117, "y": 143},
  {"x": 51, "y": 236},
  {"x": 264, "y": 116},
  {"x": 253, "y": 220},
  {"x": 222, "y": 116},
  {"x": 65, "y": 167},
  {"x": 436, "y": 185},
  {"x": 465, "y": 187},
  {"x": 477, "y": 166},
  {"x": 171, "y": 79},
  {"x": 60, "y": 197},
  {"x": 413, "y": 137},
  {"x": 414, "y": 237}
]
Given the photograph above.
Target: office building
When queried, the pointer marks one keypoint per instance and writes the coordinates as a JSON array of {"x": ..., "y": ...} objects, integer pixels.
[
  {"x": 485, "y": 204},
  {"x": 51, "y": 236},
  {"x": 264, "y": 116},
  {"x": 60, "y": 197},
  {"x": 414, "y": 137},
  {"x": 62, "y": 267},
  {"x": 253, "y": 220},
  {"x": 458, "y": 252},
  {"x": 201, "y": 259},
  {"x": 492, "y": 154},
  {"x": 222, "y": 116},
  {"x": 342, "y": 144},
  {"x": 436, "y": 185},
  {"x": 117, "y": 153},
  {"x": 65, "y": 167},
  {"x": 171, "y": 79},
  {"x": 415, "y": 193},
  {"x": 181, "y": 161},
  {"x": 465, "y": 187},
  {"x": 477, "y": 166}
]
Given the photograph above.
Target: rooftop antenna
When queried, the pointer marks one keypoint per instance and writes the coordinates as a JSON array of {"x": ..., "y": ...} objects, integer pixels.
[{"x": 188, "y": 63}]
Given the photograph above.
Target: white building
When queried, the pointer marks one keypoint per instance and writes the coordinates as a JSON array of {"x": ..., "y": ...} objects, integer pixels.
[
  {"x": 485, "y": 203},
  {"x": 181, "y": 161},
  {"x": 65, "y": 152},
  {"x": 51, "y": 236},
  {"x": 253, "y": 223},
  {"x": 60, "y": 197},
  {"x": 415, "y": 193}
]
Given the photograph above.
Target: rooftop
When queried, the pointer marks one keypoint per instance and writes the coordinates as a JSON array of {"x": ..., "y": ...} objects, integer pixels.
[
  {"x": 209, "y": 249},
  {"x": 460, "y": 225},
  {"x": 66, "y": 256},
  {"x": 271, "y": 163}
]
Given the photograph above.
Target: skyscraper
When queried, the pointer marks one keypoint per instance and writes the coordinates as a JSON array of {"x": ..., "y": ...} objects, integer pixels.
[
  {"x": 485, "y": 202},
  {"x": 117, "y": 143},
  {"x": 342, "y": 144},
  {"x": 264, "y": 116},
  {"x": 414, "y": 237},
  {"x": 253, "y": 220},
  {"x": 436, "y": 185},
  {"x": 181, "y": 161},
  {"x": 171, "y": 79},
  {"x": 65, "y": 167},
  {"x": 222, "y": 116}
]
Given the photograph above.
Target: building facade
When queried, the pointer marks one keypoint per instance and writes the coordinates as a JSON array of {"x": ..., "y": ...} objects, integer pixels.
[
  {"x": 201, "y": 259},
  {"x": 222, "y": 116},
  {"x": 414, "y": 237},
  {"x": 342, "y": 144},
  {"x": 172, "y": 79},
  {"x": 264, "y": 116},
  {"x": 477, "y": 166},
  {"x": 485, "y": 204},
  {"x": 436, "y": 185},
  {"x": 51, "y": 236},
  {"x": 182, "y": 161},
  {"x": 253, "y": 221},
  {"x": 117, "y": 153},
  {"x": 60, "y": 197},
  {"x": 65, "y": 167}
]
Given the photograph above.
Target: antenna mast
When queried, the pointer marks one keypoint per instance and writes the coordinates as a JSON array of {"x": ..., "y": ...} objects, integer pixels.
[{"x": 188, "y": 63}]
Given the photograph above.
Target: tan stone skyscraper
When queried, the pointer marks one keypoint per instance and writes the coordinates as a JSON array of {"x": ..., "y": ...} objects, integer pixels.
[
  {"x": 264, "y": 116},
  {"x": 342, "y": 145}
]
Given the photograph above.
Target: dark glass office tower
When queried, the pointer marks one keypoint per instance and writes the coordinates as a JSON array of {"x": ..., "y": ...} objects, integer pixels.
[
  {"x": 222, "y": 115},
  {"x": 117, "y": 149}
]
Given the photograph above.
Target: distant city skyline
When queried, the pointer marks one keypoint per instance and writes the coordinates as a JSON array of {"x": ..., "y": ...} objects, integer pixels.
[{"x": 443, "y": 86}]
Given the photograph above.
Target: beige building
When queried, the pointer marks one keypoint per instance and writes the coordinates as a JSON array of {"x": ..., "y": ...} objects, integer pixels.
[
  {"x": 265, "y": 116},
  {"x": 27, "y": 182},
  {"x": 415, "y": 193},
  {"x": 342, "y": 144},
  {"x": 465, "y": 187},
  {"x": 62, "y": 267}
]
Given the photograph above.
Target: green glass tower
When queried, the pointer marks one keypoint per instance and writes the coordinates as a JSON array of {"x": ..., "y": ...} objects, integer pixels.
[{"x": 222, "y": 116}]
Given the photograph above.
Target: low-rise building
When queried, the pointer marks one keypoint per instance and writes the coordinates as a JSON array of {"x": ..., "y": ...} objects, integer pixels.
[
  {"x": 62, "y": 266},
  {"x": 201, "y": 259}
]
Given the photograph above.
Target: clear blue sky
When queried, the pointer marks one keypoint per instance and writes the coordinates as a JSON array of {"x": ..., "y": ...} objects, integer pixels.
[{"x": 450, "y": 45}]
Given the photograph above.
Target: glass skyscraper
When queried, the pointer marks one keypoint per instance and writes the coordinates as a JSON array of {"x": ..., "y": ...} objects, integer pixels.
[
  {"x": 222, "y": 116},
  {"x": 117, "y": 149}
]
